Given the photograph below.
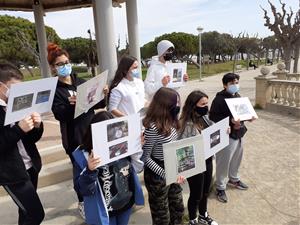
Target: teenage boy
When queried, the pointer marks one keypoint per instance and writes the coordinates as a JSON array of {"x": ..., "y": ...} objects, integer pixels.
[
  {"x": 229, "y": 159},
  {"x": 20, "y": 161}
]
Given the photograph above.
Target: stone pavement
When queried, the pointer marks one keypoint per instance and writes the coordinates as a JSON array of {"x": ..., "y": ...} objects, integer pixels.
[{"x": 271, "y": 168}]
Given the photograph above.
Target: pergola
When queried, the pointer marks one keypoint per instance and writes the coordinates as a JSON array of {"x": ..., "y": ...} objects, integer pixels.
[{"x": 103, "y": 20}]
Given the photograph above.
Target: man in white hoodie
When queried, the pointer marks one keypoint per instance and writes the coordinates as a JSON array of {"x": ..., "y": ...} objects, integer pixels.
[{"x": 157, "y": 75}]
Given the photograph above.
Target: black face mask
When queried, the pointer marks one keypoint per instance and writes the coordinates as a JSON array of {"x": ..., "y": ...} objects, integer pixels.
[
  {"x": 168, "y": 56},
  {"x": 201, "y": 110},
  {"x": 175, "y": 111}
]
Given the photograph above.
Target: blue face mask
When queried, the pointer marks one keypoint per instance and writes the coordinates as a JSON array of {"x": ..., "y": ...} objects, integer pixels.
[
  {"x": 64, "y": 71},
  {"x": 233, "y": 88},
  {"x": 135, "y": 73}
]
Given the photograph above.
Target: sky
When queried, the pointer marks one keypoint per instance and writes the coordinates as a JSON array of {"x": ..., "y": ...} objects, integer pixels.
[{"x": 157, "y": 17}]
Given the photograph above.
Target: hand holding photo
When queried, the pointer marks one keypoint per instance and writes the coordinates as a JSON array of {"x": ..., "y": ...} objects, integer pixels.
[
  {"x": 188, "y": 155},
  {"x": 241, "y": 108},
  {"x": 176, "y": 72}
]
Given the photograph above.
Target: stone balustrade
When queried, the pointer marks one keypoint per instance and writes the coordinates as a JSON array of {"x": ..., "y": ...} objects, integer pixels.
[
  {"x": 293, "y": 76},
  {"x": 279, "y": 92},
  {"x": 285, "y": 92}
]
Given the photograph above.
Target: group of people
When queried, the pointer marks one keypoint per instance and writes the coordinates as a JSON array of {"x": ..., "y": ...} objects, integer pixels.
[{"x": 106, "y": 193}]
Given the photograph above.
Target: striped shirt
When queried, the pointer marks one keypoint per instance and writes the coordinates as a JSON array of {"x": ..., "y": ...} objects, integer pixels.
[{"x": 153, "y": 148}]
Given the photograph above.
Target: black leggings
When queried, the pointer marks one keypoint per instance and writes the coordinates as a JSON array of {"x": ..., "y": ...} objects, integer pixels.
[
  {"x": 199, "y": 191},
  {"x": 24, "y": 194}
]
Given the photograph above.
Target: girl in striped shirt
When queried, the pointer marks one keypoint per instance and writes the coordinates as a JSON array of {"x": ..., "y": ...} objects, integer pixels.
[{"x": 161, "y": 125}]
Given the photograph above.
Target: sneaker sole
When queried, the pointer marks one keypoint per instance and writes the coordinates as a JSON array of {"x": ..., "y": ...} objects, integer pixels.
[{"x": 235, "y": 186}]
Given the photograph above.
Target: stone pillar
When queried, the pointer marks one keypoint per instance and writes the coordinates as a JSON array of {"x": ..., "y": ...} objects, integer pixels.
[
  {"x": 42, "y": 39},
  {"x": 132, "y": 27},
  {"x": 281, "y": 73},
  {"x": 263, "y": 90},
  {"x": 99, "y": 69},
  {"x": 106, "y": 39}
]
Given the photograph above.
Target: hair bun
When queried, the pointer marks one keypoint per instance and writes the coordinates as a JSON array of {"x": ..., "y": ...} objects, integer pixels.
[{"x": 52, "y": 47}]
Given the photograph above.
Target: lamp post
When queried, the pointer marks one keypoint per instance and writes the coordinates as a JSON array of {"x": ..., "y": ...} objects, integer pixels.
[{"x": 200, "y": 29}]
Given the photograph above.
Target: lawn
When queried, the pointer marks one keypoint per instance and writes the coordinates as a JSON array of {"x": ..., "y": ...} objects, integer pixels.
[{"x": 192, "y": 70}]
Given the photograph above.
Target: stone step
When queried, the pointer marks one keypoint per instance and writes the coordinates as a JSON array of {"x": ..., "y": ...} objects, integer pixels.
[
  {"x": 52, "y": 173},
  {"x": 52, "y": 154}
]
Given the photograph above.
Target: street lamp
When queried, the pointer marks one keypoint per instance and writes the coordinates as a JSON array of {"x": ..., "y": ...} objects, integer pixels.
[{"x": 200, "y": 29}]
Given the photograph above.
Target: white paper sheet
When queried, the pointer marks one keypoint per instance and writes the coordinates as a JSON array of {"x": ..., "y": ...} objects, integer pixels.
[
  {"x": 176, "y": 72},
  {"x": 90, "y": 93},
  {"x": 184, "y": 158},
  {"x": 117, "y": 138},
  {"x": 215, "y": 137},
  {"x": 241, "y": 108},
  {"x": 28, "y": 97}
]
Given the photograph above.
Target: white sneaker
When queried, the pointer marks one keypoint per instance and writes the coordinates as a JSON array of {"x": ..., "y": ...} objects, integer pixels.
[{"x": 81, "y": 210}]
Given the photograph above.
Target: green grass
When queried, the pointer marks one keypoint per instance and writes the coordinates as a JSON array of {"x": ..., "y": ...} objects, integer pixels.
[{"x": 192, "y": 70}]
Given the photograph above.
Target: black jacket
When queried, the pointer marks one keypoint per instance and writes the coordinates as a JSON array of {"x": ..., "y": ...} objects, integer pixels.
[
  {"x": 219, "y": 110},
  {"x": 72, "y": 130},
  {"x": 12, "y": 168}
]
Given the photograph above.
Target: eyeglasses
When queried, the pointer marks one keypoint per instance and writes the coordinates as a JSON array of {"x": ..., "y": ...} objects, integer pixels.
[{"x": 62, "y": 63}]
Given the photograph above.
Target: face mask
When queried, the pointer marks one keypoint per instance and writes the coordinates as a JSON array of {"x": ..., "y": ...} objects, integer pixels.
[
  {"x": 168, "y": 56},
  {"x": 64, "y": 71},
  {"x": 201, "y": 110},
  {"x": 135, "y": 73},
  {"x": 7, "y": 90},
  {"x": 175, "y": 111},
  {"x": 233, "y": 88}
]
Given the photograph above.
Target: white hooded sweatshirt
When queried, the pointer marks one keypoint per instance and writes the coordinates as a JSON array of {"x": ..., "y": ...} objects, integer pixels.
[{"x": 155, "y": 74}]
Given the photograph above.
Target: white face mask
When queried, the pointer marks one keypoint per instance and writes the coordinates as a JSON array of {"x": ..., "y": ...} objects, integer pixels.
[{"x": 7, "y": 89}]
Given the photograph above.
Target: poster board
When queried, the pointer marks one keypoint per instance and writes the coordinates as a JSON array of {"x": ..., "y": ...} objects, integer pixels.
[
  {"x": 117, "y": 138},
  {"x": 90, "y": 93},
  {"x": 186, "y": 155},
  {"x": 28, "y": 97},
  {"x": 176, "y": 72},
  {"x": 241, "y": 108},
  {"x": 215, "y": 137}
]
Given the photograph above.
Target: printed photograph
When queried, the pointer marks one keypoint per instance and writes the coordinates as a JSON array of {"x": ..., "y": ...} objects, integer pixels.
[
  {"x": 22, "y": 102},
  {"x": 185, "y": 158},
  {"x": 177, "y": 75},
  {"x": 118, "y": 149},
  {"x": 241, "y": 109},
  {"x": 42, "y": 96},
  {"x": 215, "y": 138},
  {"x": 117, "y": 130},
  {"x": 91, "y": 94}
]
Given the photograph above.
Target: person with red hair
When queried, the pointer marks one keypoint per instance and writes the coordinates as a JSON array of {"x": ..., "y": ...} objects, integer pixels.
[{"x": 63, "y": 108}]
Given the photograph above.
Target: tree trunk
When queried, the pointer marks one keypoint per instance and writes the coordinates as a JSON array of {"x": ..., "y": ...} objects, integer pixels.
[
  {"x": 287, "y": 52},
  {"x": 296, "y": 61},
  {"x": 248, "y": 58}
]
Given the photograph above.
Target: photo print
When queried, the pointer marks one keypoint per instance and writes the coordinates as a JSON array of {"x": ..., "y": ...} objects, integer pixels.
[
  {"x": 91, "y": 94},
  {"x": 215, "y": 138},
  {"x": 118, "y": 149},
  {"x": 117, "y": 130},
  {"x": 241, "y": 109},
  {"x": 185, "y": 158},
  {"x": 22, "y": 102},
  {"x": 42, "y": 96},
  {"x": 177, "y": 75}
]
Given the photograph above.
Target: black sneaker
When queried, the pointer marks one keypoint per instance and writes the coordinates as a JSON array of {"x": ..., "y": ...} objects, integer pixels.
[
  {"x": 206, "y": 220},
  {"x": 239, "y": 185},
  {"x": 221, "y": 196},
  {"x": 194, "y": 222}
]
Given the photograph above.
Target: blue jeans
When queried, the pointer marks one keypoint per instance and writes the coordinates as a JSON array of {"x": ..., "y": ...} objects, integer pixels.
[{"x": 121, "y": 219}]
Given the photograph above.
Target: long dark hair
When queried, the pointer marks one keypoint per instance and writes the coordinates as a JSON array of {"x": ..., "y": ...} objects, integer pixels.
[
  {"x": 188, "y": 111},
  {"x": 87, "y": 144},
  {"x": 159, "y": 111},
  {"x": 123, "y": 67}
]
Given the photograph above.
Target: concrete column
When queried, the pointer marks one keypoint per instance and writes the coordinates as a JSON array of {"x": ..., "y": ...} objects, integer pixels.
[
  {"x": 132, "y": 27},
  {"x": 42, "y": 39},
  {"x": 107, "y": 48},
  {"x": 99, "y": 69}
]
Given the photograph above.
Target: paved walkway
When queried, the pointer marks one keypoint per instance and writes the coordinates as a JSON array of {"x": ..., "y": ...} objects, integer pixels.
[{"x": 271, "y": 168}]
